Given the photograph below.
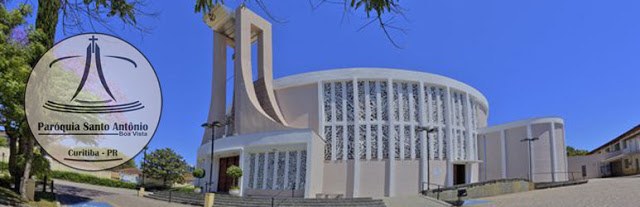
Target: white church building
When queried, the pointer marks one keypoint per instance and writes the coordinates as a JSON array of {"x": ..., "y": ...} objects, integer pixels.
[{"x": 353, "y": 132}]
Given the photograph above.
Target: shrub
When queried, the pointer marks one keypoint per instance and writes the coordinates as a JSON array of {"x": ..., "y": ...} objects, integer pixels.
[
  {"x": 90, "y": 179},
  {"x": 234, "y": 172},
  {"x": 185, "y": 189},
  {"x": 198, "y": 173}
]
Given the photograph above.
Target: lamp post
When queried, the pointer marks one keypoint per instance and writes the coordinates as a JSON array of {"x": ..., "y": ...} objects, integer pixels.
[
  {"x": 428, "y": 131},
  {"x": 211, "y": 126},
  {"x": 529, "y": 140},
  {"x": 144, "y": 160}
]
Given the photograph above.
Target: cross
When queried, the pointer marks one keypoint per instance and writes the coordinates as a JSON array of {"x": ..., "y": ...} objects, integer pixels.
[{"x": 93, "y": 43}]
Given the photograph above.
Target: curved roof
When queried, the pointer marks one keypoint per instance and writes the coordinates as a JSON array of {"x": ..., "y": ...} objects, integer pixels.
[
  {"x": 520, "y": 123},
  {"x": 376, "y": 73}
]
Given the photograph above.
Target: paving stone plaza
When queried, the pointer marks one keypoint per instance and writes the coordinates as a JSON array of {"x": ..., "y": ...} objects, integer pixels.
[{"x": 619, "y": 192}]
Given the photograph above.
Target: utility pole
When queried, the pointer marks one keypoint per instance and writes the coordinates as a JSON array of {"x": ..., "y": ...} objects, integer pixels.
[
  {"x": 428, "y": 131},
  {"x": 211, "y": 126},
  {"x": 529, "y": 140}
]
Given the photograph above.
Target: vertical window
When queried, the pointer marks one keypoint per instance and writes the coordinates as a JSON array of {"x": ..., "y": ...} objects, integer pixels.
[
  {"x": 293, "y": 158},
  {"x": 281, "y": 166},
  {"x": 584, "y": 171},
  {"x": 252, "y": 169},
  {"x": 270, "y": 165},
  {"x": 338, "y": 100},
  {"x": 339, "y": 142},
  {"x": 327, "y": 102},
  {"x": 327, "y": 146}
]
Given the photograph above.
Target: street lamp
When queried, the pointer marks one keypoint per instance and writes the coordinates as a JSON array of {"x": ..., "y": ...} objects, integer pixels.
[
  {"x": 144, "y": 160},
  {"x": 211, "y": 126},
  {"x": 428, "y": 130},
  {"x": 529, "y": 140}
]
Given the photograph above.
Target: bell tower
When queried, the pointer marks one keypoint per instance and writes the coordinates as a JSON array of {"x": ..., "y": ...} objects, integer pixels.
[{"x": 254, "y": 108}]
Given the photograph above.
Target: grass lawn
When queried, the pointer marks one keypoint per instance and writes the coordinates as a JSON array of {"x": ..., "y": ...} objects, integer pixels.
[{"x": 44, "y": 199}]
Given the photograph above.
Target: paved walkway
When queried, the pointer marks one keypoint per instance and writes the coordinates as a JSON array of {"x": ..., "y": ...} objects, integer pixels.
[
  {"x": 618, "y": 192},
  {"x": 78, "y": 194}
]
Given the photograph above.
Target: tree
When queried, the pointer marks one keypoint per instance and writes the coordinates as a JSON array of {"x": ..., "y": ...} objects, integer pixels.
[
  {"x": 165, "y": 164},
  {"x": 128, "y": 164},
  {"x": 375, "y": 11},
  {"x": 234, "y": 172},
  {"x": 576, "y": 152},
  {"x": 20, "y": 48}
]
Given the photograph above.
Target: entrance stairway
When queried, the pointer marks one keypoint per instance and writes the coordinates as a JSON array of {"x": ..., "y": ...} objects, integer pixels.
[{"x": 222, "y": 200}]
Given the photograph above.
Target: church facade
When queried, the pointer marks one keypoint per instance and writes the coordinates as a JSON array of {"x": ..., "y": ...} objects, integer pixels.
[{"x": 355, "y": 132}]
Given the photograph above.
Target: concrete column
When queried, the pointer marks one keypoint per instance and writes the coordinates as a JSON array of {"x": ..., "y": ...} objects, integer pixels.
[
  {"x": 265, "y": 170},
  {"x": 379, "y": 115},
  {"x": 412, "y": 134},
  {"x": 400, "y": 120},
  {"x": 345, "y": 141},
  {"x": 441, "y": 131},
  {"x": 244, "y": 167},
  {"x": 368, "y": 112},
  {"x": 471, "y": 153},
  {"x": 356, "y": 139},
  {"x": 391, "y": 175},
  {"x": 218, "y": 84},
  {"x": 503, "y": 153},
  {"x": 554, "y": 162},
  {"x": 450, "y": 139},
  {"x": 531, "y": 153},
  {"x": 333, "y": 117}
]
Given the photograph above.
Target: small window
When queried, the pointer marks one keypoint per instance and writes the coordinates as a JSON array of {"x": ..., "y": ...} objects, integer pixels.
[
  {"x": 624, "y": 144},
  {"x": 627, "y": 163},
  {"x": 584, "y": 171},
  {"x": 616, "y": 147}
]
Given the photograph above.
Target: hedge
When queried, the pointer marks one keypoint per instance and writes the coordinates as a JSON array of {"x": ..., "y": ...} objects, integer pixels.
[{"x": 90, "y": 179}]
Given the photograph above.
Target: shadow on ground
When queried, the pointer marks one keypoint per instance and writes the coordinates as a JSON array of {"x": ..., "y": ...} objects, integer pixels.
[{"x": 68, "y": 195}]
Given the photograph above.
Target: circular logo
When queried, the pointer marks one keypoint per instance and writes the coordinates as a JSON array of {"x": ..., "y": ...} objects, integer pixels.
[{"x": 93, "y": 101}]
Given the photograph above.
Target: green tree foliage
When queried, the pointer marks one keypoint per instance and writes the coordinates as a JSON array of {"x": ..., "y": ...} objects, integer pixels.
[
  {"x": 576, "y": 152},
  {"x": 20, "y": 48},
  {"x": 198, "y": 173},
  {"x": 128, "y": 164},
  {"x": 234, "y": 172},
  {"x": 90, "y": 179},
  {"x": 375, "y": 10},
  {"x": 166, "y": 165}
]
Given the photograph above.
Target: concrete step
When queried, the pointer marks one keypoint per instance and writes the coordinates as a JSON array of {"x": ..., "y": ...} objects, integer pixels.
[{"x": 226, "y": 200}]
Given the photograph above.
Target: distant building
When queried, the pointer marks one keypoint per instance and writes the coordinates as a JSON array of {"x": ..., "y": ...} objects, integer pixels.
[
  {"x": 131, "y": 175},
  {"x": 505, "y": 153},
  {"x": 618, "y": 157}
]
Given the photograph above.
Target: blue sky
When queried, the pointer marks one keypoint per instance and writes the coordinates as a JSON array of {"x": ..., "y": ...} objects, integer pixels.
[{"x": 577, "y": 59}]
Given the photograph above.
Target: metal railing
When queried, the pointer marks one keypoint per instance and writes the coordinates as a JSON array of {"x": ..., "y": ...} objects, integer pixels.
[
  {"x": 426, "y": 191},
  {"x": 273, "y": 198},
  {"x": 571, "y": 176}
]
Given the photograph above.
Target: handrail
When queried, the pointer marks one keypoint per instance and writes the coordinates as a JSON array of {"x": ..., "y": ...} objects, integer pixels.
[
  {"x": 293, "y": 188},
  {"x": 425, "y": 192}
]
